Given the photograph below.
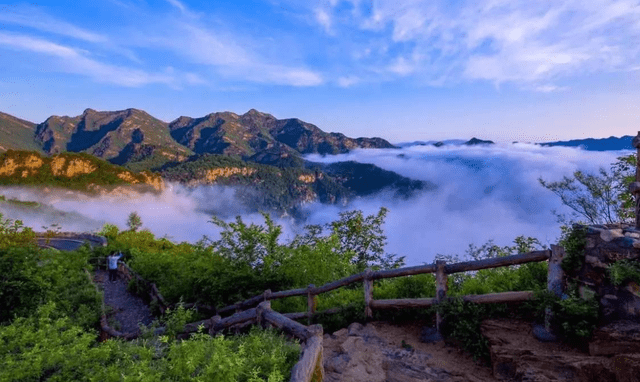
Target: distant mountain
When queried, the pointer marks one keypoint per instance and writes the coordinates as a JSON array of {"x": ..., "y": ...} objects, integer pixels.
[
  {"x": 252, "y": 134},
  {"x": 17, "y": 134},
  {"x": 447, "y": 142},
  {"x": 475, "y": 141},
  {"x": 255, "y": 150},
  {"x": 593, "y": 144},
  {"x": 118, "y": 136}
]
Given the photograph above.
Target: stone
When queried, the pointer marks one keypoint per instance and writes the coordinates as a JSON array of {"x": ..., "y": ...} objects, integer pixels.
[
  {"x": 610, "y": 234},
  {"x": 627, "y": 367},
  {"x": 430, "y": 335},
  {"x": 355, "y": 329},
  {"x": 337, "y": 364},
  {"x": 634, "y": 235},
  {"x": 516, "y": 356},
  {"x": 594, "y": 261},
  {"x": 542, "y": 334},
  {"x": 619, "y": 337},
  {"x": 624, "y": 242},
  {"x": 341, "y": 332}
]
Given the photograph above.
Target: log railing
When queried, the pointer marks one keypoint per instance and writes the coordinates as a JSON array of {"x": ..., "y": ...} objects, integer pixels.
[
  {"x": 440, "y": 268},
  {"x": 309, "y": 367}
]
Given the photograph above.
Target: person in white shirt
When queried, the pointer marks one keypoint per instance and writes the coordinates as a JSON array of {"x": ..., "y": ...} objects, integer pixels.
[{"x": 112, "y": 264}]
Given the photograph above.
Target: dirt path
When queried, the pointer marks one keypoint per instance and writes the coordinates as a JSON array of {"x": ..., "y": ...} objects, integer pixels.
[
  {"x": 129, "y": 309},
  {"x": 375, "y": 353}
]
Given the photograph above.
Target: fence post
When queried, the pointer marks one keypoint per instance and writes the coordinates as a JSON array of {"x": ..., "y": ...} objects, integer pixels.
[
  {"x": 311, "y": 303},
  {"x": 555, "y": 280},
  {"x": 368, "y": 294},
  {"x": 260, "y": 312},
  {"x": 441, "y": 290},
  {"x": 213, "y": 322}
]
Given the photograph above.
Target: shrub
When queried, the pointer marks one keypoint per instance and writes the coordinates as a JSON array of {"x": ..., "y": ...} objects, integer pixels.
[
  {"x": 624, "y": 271},
  {"x": 574, "y": 241}
]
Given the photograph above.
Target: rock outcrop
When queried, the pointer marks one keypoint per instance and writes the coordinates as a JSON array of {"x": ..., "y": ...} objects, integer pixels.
[
  {"x": 381, "y": 352},
  {"x": 517, "y": 356}
]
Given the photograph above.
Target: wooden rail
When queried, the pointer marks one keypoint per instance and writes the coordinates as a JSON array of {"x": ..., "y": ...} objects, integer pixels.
[
  {"x": 309, "y": 367},
  {"x": 440, "y": 268}
]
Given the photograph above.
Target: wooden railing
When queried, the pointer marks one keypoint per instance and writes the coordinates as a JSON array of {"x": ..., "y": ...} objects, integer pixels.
[
  {"x": 440, "y": 268},
  {"x": 258, "y": 308},
  {"x": 309, "y": 367}
]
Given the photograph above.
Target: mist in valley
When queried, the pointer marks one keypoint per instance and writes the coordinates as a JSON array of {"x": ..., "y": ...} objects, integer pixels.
[{"x": 482, "y": 193}]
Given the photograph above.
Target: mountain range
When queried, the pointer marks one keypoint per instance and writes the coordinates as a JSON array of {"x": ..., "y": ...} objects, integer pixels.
[
  {"x": 254, "y": 149},
  {"x": 590, "y": 144}
]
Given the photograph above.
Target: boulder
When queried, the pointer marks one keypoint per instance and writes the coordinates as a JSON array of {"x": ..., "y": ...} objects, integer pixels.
[
  {"x": 619, "y": 337},
  {"x": 517, "y": 356}
]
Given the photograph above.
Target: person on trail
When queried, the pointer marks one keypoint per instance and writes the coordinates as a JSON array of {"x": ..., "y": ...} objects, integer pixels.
[{"x": 112, "y": 264}]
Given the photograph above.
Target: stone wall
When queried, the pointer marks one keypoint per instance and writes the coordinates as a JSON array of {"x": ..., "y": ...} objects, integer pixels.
[{"x": 606, "y": 244}]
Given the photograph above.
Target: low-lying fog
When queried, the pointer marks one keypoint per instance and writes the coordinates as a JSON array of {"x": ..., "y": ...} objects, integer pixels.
[{"x": 483, "y": 192}]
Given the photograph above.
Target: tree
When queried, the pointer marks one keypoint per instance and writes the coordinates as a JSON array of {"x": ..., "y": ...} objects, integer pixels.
[
  {"x": 601, "y": 198},
  {"x": 134, "y": 222},
  {"x": 365, "y": 238}
]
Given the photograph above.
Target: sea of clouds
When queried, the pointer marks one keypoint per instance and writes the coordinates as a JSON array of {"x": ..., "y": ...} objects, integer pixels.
[{"x": 482, "y": 193}]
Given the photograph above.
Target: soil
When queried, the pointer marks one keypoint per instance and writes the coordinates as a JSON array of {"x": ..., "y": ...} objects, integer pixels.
[
  {"x": 129, "y": 309},
  {"x": 384, "y": 352}
]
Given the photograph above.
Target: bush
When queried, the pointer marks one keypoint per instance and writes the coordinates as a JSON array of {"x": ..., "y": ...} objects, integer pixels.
[
  {"x": 623, "y": 271},
  {"x": 574, "y": 241}
]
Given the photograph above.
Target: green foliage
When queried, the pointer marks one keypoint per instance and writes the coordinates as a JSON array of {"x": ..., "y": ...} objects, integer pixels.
[
  {"x": 31, "y": 277},
  {"x": 461, "y": 325},
  {"x": 364, "y": 237},
  {"x": 623, "y": 271},
  {"x": 576, "y": 317},
  {"x": 104, "y": 173},
  {"x": 601, "y": 198},
  {"x": 174, "y": 320},
  {"x": 271, "y": 188},
  {"x": 573, "y": 240},
  {"x": 110, "y": 231},
  {"x": 14, "y": 233},
  {"x": 48, "y": 347},
  {"x": 134, "y": 222}
]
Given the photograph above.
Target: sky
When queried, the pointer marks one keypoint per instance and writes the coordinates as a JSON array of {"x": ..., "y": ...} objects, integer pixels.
[{"x": 406, "y": 70}]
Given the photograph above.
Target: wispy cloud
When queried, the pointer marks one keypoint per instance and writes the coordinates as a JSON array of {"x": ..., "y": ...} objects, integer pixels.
[
  {"x": 182, "y": 8},
  {"x": 72, "y": 60},
  {"x": 499, "y": 41},
  {"x": 34, "y": 18},
  {"x": 225, "y": 53}
]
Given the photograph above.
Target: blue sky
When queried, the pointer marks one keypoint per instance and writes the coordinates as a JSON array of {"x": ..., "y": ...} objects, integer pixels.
[{"x": 402, "y": 70}]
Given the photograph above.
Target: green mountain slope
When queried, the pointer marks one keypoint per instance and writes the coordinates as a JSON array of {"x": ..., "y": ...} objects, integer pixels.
[
  {"x": 251, "y": 134},
  {"x": 118, "y": 136},
  {"x": 78, "y": 171},
  {"x": 16, "y": 134}
]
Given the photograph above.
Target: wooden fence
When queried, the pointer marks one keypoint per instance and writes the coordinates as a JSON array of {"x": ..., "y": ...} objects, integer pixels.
[
  {"x": 258, "y": 308},
  {"x": 440, "y": 268}
]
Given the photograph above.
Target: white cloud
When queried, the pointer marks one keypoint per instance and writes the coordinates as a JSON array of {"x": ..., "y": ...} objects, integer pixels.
[
  {"x": 499, "y": 41},
  {"x": 182, "y": 8},
  {"x": 324, "y": 19},
  {"x": 75, "y": 61},
  {"x": 32, "y": 17},
  {"x": 348, "y": 81},
  {"x": 482, "y": 193},
  {"x": 223, "y": 51}
]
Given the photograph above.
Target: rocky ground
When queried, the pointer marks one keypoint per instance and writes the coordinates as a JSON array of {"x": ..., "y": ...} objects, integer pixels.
[
  {"x": 384, "y": 352},
  {"x": 129, "y": 310}
]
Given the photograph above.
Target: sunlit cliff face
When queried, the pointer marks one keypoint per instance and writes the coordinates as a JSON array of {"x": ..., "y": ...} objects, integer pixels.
[{"x": 72, "y": 168}]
